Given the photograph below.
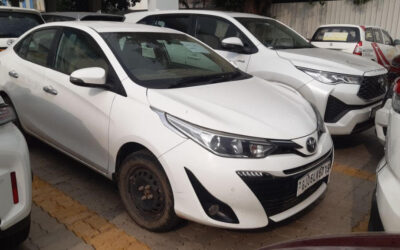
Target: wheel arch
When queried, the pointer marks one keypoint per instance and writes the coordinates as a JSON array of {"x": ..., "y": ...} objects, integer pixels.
[{"x": 125, "y": 150}]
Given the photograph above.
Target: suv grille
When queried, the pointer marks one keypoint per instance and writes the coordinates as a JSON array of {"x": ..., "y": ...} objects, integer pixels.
[
  {"x": 373, "y": 86},
  {"x": 278, "y": 194}
]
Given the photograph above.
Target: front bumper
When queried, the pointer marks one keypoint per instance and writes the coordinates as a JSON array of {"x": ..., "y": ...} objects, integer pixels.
[
  {"x": 344, "y": 111},
  {"x": 219, "y": 177},
  {"x": 388, "y": 197}
]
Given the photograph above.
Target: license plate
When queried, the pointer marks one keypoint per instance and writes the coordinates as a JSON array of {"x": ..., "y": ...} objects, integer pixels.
[{"x": 313, "y": 177}]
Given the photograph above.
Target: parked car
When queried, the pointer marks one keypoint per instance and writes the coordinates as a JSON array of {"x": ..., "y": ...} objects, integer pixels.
[
  {"x": 183, "y": 132},
  {"x": 346, "y": 89},
  {"x": 15, "y": 22},
  {"x": 15, "y": 181},
  {"x": 385, "y": 211},
  {"x": 80, "y": 16},
  {"x": 370, "y": 42}
]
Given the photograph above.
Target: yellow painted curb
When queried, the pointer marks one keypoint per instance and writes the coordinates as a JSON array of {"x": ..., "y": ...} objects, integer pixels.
[
  {"x": 354, "y": 172},
  {"x": 84, "y": 223}
]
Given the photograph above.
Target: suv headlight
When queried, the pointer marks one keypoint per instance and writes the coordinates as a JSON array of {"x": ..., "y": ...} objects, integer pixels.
[
  {"x": 223, "y": 144},
  {"x": 320, "y": 121},
  {"x": 331, "y": 78}
]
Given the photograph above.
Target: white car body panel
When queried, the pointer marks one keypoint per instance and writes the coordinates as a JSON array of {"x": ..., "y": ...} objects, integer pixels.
[
  {"x": 92, "y": 126},
  {"x": 281, "y": 66}
]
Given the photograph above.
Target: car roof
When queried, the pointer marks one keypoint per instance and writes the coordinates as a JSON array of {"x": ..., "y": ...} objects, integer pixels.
[
  {"x": 347, "y": 25},
  {"x": 204, "y": 12},
  {"x": 77, "y": 15},
  {"x": 106, "y": 26},
  {"x": 17, "y": 9}
]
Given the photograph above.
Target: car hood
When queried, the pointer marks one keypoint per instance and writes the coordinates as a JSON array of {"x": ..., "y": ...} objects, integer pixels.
[
  {"x": 329, "y": 60},
  {"x": 251, "y": 107}
]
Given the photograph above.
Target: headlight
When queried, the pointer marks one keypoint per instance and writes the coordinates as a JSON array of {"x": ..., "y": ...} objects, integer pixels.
[
  {"x": 320, "y": 121},
  {"x": 331, "y": 78},
  {"x": 223, "y": 144}
]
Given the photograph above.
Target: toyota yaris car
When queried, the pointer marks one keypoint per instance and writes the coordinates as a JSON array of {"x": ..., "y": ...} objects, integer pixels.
[
  {"x": 15, "y": 181},
  {"x": 385, "y": 212},
  {"x": 346, "y": 89},
  {"x": 183, "y": 132}
]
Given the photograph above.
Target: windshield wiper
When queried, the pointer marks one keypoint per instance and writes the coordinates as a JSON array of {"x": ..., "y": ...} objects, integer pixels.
[{"x": 206, "y": 79}]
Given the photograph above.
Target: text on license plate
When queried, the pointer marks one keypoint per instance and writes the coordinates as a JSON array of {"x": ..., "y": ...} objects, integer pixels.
[{"x": 313, "y": 177}]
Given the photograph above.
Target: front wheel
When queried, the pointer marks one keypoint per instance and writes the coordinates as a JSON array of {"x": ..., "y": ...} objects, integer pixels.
[{"x": 146, "y": 192}]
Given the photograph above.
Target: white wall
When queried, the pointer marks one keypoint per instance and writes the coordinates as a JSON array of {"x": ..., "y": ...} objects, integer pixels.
[{"x": 305, "y": 17}]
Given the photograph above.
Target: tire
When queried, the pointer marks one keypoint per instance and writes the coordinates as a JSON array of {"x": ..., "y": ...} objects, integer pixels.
[
  {"x": 146, "y": 193},
  {"x": 375, "y": 223},
  {"x": 19, "y": 234}
]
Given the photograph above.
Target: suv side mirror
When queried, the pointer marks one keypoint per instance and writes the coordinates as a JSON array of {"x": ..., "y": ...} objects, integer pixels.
[
  {"x": 396, "y": 42},
  {"x": 234, "y": 44},
  {"x": 89, "y": 77}
]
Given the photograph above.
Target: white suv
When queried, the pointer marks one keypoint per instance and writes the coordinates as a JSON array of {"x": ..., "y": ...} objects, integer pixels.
[
  {"x": 346, "y": 89},
  {"x": 370, "y": 42},
  {"x": 15, "y": 181},
  {"x": 15, "y": 22},
  {"x": 385, "y": 212},
  {"x": 182, "y": 131}
]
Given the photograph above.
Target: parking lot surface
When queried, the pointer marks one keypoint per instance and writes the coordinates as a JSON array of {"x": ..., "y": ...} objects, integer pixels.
[{"x": 76, "y": 208}]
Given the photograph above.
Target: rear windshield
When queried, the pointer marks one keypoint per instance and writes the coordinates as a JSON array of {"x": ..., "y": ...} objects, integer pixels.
[
  {"x": 14, "y": 24},
  {"x": 337, "y": 34},
  {"x": 103, "y": 18}
]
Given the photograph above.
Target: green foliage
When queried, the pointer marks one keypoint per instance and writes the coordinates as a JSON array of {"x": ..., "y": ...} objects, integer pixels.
[{"x": 83, "y": 5}]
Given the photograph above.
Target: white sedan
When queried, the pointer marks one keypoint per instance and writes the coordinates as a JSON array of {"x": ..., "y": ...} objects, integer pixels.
[
  {"x": 385, "y": 212},
  {"x": 15, "y": 181},
  {"x": 183, "y": 132}
]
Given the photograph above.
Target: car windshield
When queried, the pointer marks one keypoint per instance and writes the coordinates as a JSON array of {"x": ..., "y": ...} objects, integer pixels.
[
  {"x": 337, "y": 34},
  {"x": 273, "y": 34},
  {"x": 14, "y": 24},
  {"x": 166, "y": 60}
]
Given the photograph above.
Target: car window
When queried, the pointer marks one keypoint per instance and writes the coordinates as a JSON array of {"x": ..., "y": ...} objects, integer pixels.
[
  {"x": 36, "y": 47},
  {"x": 337, "y": 34},
  {"x": 176, "y": 22},
  {"x": 378, "y": 36},
  {"x": 77, "y": 50},
  {"x": 56, "y": 18},
  {"x": 387, "y": 38},
  {"x": 150, "y": 20},
  {"x": 166, "y": 60},
  {"x": 212, "y": 30},
  {"x": 369, "y": 35},
  {"x": 14, "y": 24}
]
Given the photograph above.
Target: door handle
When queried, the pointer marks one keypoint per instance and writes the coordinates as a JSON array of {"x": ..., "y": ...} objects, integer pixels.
[
  {"x": 50, "y": 90},
  {"x": 13, "y": 74}
]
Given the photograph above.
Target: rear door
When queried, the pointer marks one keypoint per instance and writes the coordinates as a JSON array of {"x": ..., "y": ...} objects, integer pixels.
[{"x": 337, "y": 38}]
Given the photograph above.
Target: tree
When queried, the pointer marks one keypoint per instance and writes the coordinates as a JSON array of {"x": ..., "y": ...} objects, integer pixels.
[
  {"x": 84, "y": 5},
  {"x": 261, "y": 7}
]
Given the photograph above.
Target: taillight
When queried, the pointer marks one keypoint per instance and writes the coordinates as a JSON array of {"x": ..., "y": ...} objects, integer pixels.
[
  {"x": 358, "y": 49},
  {"x": 396, "y": 97},
  {"x": 14, "y": 187}
]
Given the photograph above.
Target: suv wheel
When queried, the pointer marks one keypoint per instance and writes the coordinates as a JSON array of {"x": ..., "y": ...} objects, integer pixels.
[{"x": 146, "y": 192}]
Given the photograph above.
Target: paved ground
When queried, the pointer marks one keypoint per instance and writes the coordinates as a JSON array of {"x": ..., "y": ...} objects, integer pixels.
[{"x": 76, "y": 208}]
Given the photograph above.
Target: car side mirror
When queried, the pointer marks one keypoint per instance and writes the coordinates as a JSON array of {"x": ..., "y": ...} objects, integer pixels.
[
  {"x": 7, "y": 113},
  {"x": 396, "y": 42},
  {"x": 234, "y": 44},
  {"x": 89, "y": 77}
]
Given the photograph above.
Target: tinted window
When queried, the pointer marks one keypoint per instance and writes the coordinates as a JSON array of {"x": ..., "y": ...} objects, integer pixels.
[
  {"x": 55, "y": 18},
  {"x": 150, "y": 20},
  {"x": 378, "y": 36},
  {"x": 176, "y": 22},
  {"x": 78, "y": 50},
  {"x": 369, "y": 35},
  {"x": 212, "y": 31},
  {"x": 273, "y": 34},
  {"x": 36, "y": 47},
  {"x": 14, "y": 24},
  {"x": 337, "y": 34},
  {"x": 387, "y": 38},
  {"x": 103, "y": 18},
  {"x": 163, "y": 60}
]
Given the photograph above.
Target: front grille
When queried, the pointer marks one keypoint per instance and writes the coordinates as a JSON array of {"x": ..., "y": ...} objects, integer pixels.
[
  {"x": 278, "y": 194},
  {"x": 373, "y": 86},
  {"x": 336, "y": 109}
]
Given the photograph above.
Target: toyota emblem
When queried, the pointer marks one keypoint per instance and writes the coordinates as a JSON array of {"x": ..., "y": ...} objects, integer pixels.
[{"x": 311, "y": 144}]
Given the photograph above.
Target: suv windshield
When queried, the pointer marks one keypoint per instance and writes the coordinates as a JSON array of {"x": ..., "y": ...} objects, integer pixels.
[
  {"x": 273, "y": 34},
  {"x": 14, "y": 24},
  {"x": 165, "y": 60},
  {"x": 337, "y": 34}
]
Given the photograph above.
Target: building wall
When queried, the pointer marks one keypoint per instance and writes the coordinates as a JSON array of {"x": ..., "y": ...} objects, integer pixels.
[
  {"x": 30, "y": 4},
  {"x": 305, "y": 17}
]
